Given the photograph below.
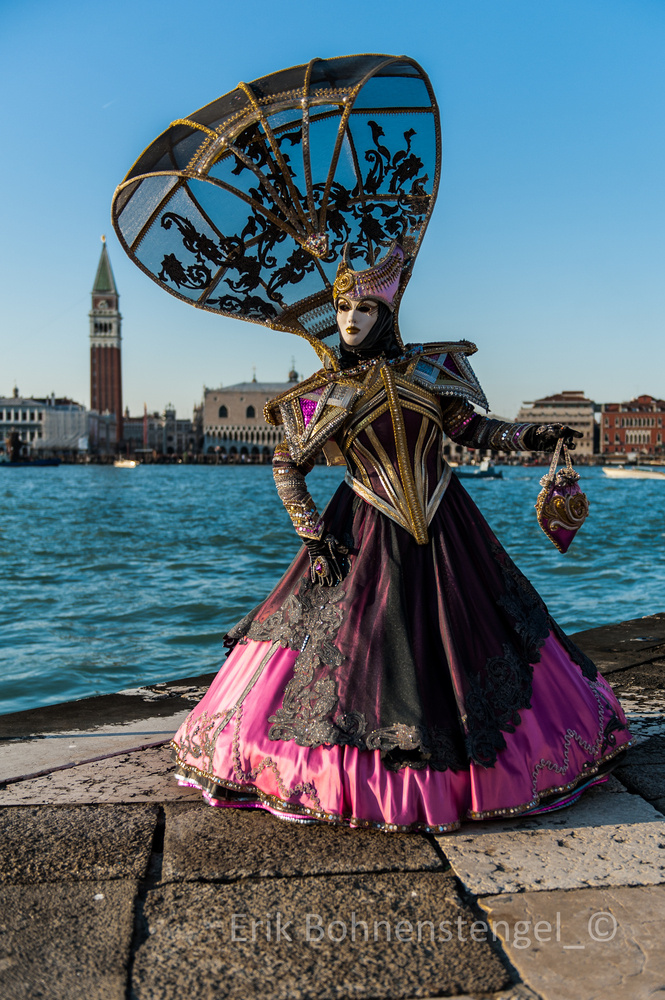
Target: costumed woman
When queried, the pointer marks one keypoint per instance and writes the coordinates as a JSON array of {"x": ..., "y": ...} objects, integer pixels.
[{"x": 403, "y": 674}]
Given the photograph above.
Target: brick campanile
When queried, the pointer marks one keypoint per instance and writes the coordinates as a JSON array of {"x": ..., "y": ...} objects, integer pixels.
[{"x": 105, "y": 341}]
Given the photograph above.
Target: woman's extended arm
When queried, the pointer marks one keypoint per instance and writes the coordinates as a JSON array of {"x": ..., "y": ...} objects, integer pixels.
[
  {"x": 327, "y": 563},
  {"x": 466, "y": 427}
]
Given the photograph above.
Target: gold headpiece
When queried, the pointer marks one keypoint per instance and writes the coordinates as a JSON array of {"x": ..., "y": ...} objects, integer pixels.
[{"x": 380, "y": 282}]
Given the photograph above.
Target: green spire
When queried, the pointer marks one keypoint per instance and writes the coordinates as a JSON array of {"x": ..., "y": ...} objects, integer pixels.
[{"x": 104, "y": 280}]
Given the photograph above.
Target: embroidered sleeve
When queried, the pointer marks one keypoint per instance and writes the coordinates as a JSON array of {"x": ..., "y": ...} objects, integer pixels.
[
  {"x": 466, "y": 427},
  {"x": 292, "y": 491}
]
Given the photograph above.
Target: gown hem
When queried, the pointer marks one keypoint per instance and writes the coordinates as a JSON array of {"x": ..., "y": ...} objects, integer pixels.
[{"x": 208, "y": 784}]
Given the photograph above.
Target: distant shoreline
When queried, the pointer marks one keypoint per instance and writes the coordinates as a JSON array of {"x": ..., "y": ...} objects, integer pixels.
[{"x": 585, "y": 460}]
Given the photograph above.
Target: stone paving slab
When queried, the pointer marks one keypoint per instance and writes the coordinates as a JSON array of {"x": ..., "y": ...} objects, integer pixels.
[
  {"x": 642, "y": 678},
  {"x": 203, "y": 844},
  {"x": 645, "y": 710},
  {"x": 614, "y": 647},
  {"x": 608, "y": 838},
  {"x": 517, "y": 992},
  {"x": 646, "y": 753},
  {"x": 147, "y": 703},
  {"x": 75, "y": 843},
  {"x": 144, "y": 776},
  {"x": 49, "y": 750},
  {"x": 193, "y": 949},
  {"x": 588, "y": 944},
  {"x": 647, "y": 781},
  {"x": 66, "y": 942}
]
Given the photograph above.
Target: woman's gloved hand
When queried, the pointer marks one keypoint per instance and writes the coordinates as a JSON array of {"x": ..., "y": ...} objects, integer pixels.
[
  {"x": 328, "y": 562},
  {"x": 545, "y": 436}
]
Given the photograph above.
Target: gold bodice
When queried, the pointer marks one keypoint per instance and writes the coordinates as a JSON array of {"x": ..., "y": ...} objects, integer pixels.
[
  {"x": 384, "y": 421},
  {"x": 392, "y": 444}
]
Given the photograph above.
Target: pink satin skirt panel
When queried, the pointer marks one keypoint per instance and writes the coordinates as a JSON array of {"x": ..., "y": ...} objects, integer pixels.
[{"x": 560, "y": 743}]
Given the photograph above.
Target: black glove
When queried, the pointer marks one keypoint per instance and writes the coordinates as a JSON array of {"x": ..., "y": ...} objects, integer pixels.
[
  {"x": 328, "y": 563},
  {"x": 545, "y": 436}
]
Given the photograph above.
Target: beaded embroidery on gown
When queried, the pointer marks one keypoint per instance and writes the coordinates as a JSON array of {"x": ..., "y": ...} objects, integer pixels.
[{"x": 427, "y": 684}]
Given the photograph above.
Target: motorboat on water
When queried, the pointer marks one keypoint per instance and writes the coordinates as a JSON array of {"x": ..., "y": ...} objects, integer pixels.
[
  {"x": 125, "y": 463},
  {"x": 633, "y": 472}
]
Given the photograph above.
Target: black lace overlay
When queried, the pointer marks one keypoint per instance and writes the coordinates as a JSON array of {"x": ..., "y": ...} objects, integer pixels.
[
  {"x": 498, "y": 694},
  {"x": 308, "y": 622},
  {"x": 533, "y": 621},
  {"x": 419, "y": 747},
  {"x": 493, "y": 703},
  {"x": 408, "y": 727},
  {"x": 587, "y": 666},
  {"x": 526, "y": 609}
]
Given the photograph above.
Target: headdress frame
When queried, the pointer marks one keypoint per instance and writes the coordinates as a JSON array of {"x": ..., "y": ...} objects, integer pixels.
[{"x": 244, "y": 207}]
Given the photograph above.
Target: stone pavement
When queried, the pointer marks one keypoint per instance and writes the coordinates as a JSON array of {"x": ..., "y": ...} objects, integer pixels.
[{"x": 115, "y": 883}]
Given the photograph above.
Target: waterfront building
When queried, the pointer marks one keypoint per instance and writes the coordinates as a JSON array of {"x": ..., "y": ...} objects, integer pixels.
[
  {"x": 105, "y": 343},
  {"x": 23, "y": 415},
  {"x": 102, "y": 435},
  {"x": 197, "y": 428},
  {"x": 71, "y": 430},
  {"x": 568, "y": 407},
  {"x": 159, "y": 433},
  {"x": 56, "y": 426},
  {"x": 234, "y": 427},
  {"x": 66, "y": 429},
  {"x": 636, "y": 427}
]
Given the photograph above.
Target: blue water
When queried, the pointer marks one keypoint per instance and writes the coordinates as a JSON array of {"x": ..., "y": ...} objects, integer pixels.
[{"x": 113, "y": 578}]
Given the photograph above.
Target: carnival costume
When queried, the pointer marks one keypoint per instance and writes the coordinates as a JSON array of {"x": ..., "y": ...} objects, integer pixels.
[{"x": 403, "y": 674}]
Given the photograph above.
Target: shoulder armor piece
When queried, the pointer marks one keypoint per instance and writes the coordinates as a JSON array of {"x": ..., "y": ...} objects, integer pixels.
[
  {"x": 271, "y": 411},
  {"x": 443, "y": 368},
  {"x": 313, "y": 411}
]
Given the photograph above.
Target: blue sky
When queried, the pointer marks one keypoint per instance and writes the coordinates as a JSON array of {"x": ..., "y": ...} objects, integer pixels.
[{"x": 546, "y": 247}]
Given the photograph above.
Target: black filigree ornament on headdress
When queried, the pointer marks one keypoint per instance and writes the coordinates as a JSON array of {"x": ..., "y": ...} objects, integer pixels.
[{"x": 244, "y": 207}]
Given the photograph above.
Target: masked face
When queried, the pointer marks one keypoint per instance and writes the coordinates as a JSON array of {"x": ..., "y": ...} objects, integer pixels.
[{"x": 355, "y": 319}]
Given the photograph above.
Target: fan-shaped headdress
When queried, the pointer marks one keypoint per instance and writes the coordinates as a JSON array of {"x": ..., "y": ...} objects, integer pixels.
[{"x": 245, "y": 207}]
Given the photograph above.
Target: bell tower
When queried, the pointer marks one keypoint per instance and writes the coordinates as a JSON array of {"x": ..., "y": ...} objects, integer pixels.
[{"x": 105, "y": 341}]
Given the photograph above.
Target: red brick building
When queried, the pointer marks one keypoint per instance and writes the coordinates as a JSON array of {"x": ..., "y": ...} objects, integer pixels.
[
  {"x": 635, "y": 427},
  {"x": 105, "y": 340}
]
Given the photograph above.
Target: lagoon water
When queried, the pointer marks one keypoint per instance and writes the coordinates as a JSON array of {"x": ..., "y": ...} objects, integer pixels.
[{"x": 113, "y": 578}]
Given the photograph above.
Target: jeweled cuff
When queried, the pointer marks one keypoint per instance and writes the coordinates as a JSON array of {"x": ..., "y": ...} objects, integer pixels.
[
  {"x": 503, "y": 436},
  {"x": 466, "y": 427},
  {"x": 292, "y": 491}
]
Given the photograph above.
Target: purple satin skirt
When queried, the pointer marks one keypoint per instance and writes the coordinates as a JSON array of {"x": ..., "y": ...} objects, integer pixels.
[{"x": 429, "y": 688}]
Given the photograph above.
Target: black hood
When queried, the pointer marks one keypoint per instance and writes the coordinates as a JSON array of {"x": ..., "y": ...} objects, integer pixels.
[{"x": 380, "y": 340}]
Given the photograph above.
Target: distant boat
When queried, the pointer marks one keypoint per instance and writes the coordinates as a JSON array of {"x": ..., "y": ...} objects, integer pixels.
[
  {"x": 632, "y": 472},
  {"x": 482, "y": 471},
  {"x": 125, "y": 463}
]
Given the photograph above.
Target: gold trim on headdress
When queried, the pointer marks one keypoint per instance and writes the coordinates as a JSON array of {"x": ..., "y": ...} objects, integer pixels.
[
  {"x": 380, "y": 282},
  {"x": 243, "y": 207}
]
